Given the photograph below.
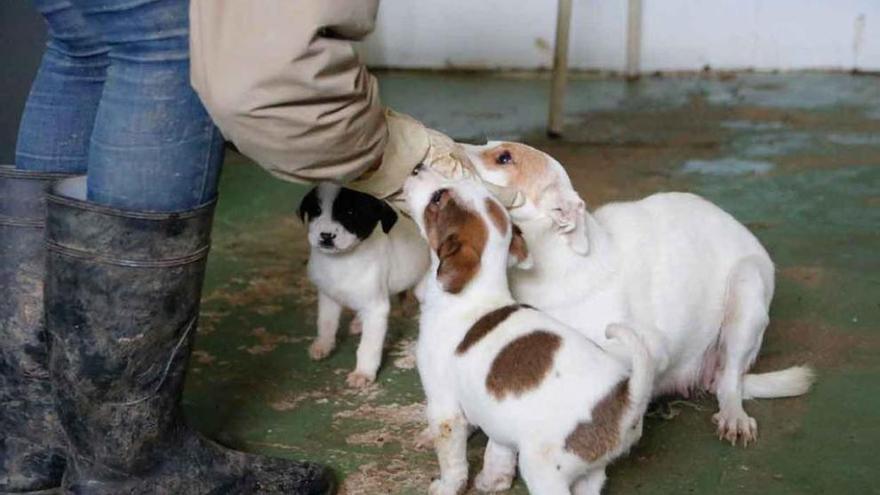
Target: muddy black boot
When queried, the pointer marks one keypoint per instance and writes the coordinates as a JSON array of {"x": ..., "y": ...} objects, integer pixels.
[
  {"x": 122, "y": 301},
  {"x": 31, "y": 460}
]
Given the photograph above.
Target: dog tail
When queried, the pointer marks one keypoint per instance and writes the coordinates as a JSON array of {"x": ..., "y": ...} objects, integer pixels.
[
  {"x": 789, "y": 382},
  {"x": 641, "y": 381}
]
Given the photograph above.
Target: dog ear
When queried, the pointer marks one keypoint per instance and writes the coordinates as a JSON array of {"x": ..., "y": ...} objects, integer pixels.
[
  {"x": 519, "y": 251},
  {"x": 309, "y": 206},
  {"x": 387, "y": 216},
  {"x": 577, "y": 238},
  {"x": 458, "y": 264},
  {"x": 569, "y": 213}
]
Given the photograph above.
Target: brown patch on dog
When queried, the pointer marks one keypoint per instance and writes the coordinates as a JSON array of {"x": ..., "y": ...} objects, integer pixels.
[
  {"x": 591, "y": 440},
  {"x": 518, "y": 248},
  {"x": 484, "y": 325},
  {"x": 526, "y": 167},
  {"x": 496, "y": 213},
  {"x": 522, "y": 364},
  {"x": 445, "y": 430},
  {"x": 458, "y": 235},
  {"x": 523, "y": 164}
]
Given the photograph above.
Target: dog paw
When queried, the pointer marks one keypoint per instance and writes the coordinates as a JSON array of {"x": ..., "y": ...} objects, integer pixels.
[
  {"x": 443, "y": 487},
  {"x": 320, "y": 349},
  {"x": 735, "y": 426},
  {"x": 356, "y": 326},
  {"x": 359, "y": 379},
  {"x": 493, "y": 482}
]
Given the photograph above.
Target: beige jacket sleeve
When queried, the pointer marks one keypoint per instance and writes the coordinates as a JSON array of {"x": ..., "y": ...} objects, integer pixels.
[{"x": 282, "y": 81}]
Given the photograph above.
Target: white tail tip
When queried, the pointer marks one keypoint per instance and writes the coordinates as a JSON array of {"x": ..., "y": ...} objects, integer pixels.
[{"x": 789, "y": 382}]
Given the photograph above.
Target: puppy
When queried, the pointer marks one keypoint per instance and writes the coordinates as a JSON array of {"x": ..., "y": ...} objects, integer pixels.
[
  {"x": 536, "y": 387},
  {"x": 676, "y": 267},
  {"x": 362, "y": 253}
]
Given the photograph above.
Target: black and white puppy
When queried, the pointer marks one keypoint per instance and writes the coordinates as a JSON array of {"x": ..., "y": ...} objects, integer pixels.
[{"x": 362, "y": 253}]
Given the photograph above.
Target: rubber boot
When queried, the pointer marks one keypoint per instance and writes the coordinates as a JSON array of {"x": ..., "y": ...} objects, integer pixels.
[
  {"x": 30, "y": 458},
  {"x": 122, "y": 302}
]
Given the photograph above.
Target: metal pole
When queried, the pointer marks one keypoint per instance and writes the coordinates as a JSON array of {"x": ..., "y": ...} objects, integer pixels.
[
  {"x": 634, "y": 40},
  {"x": 560, "y": 69}
]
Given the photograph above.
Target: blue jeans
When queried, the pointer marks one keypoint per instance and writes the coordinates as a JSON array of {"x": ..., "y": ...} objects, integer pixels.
[{"x": 112, "y": 100}]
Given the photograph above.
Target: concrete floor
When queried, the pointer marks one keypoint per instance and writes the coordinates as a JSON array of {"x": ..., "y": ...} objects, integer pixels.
[{"x": 795, "y": 157}]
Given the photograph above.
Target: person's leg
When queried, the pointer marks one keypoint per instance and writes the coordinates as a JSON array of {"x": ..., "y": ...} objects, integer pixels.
[
  {"x": 153, "y": 147},
  {"x": 53, "y": 141},
  {"x": 127, "y": 251},
  {"x": 59, "y": 114}
]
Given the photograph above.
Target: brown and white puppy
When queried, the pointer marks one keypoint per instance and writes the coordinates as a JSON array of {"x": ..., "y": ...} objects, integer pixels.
[
  {"x": 690, "y": 278},
  {"x": 537, "y": 388}
]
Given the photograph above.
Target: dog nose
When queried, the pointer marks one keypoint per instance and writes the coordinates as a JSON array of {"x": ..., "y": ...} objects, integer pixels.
[{"x": 327, "y": 236}]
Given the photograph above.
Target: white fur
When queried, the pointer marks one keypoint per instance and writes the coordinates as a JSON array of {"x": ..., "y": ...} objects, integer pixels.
[
  {"x": 362, "y": 276},
  {"x": 675, "y": 267},
  {"x": 533, "y": 425},
  {"x": 789, "y": 382}
]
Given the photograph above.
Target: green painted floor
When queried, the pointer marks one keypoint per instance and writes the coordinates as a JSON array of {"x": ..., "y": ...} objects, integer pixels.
[{"x": 795, "y": 157}]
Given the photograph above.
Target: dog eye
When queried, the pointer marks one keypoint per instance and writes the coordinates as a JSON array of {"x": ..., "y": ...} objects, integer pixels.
[
  {"x": 504, "y": 158},
  {"x": 437, "y": 196},
  {"x": 418, "y": 169}
]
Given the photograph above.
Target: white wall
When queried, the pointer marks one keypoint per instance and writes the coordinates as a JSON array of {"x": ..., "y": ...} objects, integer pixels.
[{"x": 676, "y": 34}]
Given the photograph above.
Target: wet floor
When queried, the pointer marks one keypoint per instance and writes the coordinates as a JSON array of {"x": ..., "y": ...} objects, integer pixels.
[{"x": 794, "y": 157}]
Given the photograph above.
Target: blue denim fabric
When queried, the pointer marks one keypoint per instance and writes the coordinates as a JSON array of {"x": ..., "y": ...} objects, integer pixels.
[
  {"x": 112, "y": 98},
  {"x": 60, "y": 111}
]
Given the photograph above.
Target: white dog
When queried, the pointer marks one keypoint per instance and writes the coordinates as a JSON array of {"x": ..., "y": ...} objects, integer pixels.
[
  {"x": 674, "y": 266},
  {"x": 535, "y": 386},
  {"x": 362, "y": 253}
]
